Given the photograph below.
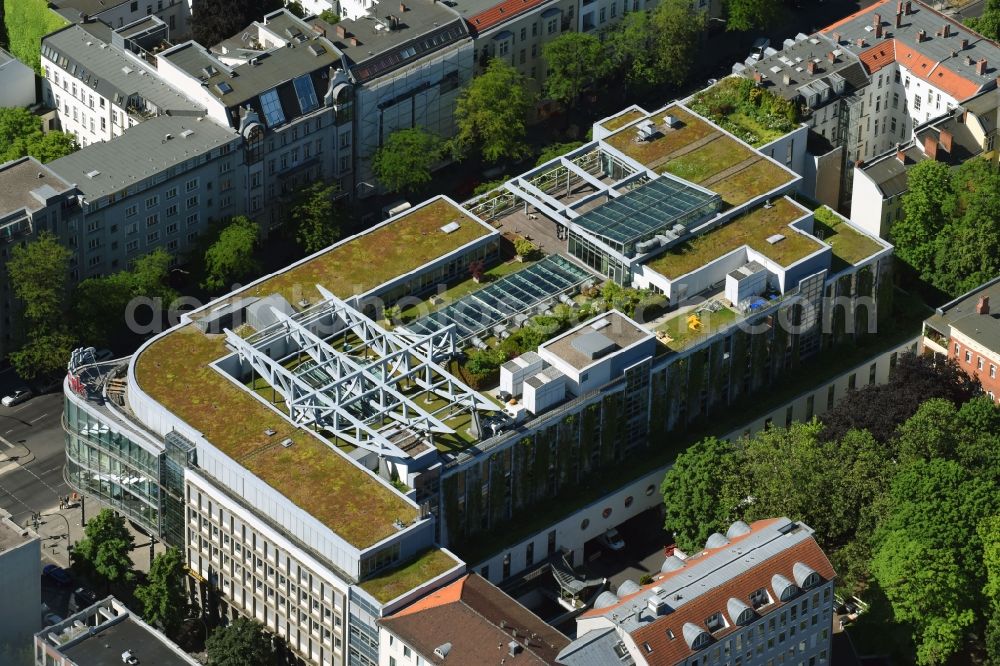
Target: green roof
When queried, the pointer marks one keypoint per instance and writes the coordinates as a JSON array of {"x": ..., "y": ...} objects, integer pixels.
[
  {"x": 850, "y": 246},
  {"x": 621, "y": 120},
  {"x": 175, "y": 372},
  {"x": 373, "y": 257},
  {"x": 755, "y": 115},
  {"x": 387, "y": 586},
  {"x": 752, "y": 230}
]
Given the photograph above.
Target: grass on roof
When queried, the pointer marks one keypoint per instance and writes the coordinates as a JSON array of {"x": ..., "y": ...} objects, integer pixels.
[
  {"x": 174, "y": 371},
  {"x": 682, "y": 336},
  {"x": 756, "y": 179},
  {"x": 621, "y": 121},
  {"x": 391, "y": 584},
  {"x": 704, "y": 162},
  {"x": 652, "y": 153},
  {"x": 752, "y": 229},
  {"x": 377, "y": 256},
  {"x": 849, "y": 245},
  {"x": 753, "y": 114}
]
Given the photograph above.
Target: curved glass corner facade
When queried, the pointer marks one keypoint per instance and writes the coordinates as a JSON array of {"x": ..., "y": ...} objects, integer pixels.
[{"x": 108, "y": 466}]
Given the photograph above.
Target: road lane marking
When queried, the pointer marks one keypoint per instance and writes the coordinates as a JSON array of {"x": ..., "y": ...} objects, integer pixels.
[{"x": 39, "y": 418}]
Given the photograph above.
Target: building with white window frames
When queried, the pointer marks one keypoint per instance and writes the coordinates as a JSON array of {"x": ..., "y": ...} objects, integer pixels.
[
  {"x": 760, "y": 594},
  {"x": 119, "y": 13}
]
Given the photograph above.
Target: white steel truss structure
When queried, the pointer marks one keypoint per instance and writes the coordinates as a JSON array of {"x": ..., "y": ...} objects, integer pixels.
[{"x": 368, "y": 392}]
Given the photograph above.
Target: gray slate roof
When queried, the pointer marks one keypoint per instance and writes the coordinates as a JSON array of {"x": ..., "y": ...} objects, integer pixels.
[
  {"x": 139, "y": 153},
  {"x": 25, "y": 183},
  {"x": 960, "y": 315}
]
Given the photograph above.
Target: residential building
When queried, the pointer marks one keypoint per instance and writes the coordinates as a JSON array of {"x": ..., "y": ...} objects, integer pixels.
[
  {"x": 870, "y": 79},
  {"x": 101, "y": 83},
  {"x": 469, "y": 621},
  {"x": 20, "y": 584},
  {"x": 119, "y": 13},
  {"x": 33, "y": 198},
  {"x": 17, "y": 82},
  {"x": 964, "y": 132},
  {"x": 761, "y": 594},
  {"x": 106, "y": 633},
  {"x": 967, "y": 330}
]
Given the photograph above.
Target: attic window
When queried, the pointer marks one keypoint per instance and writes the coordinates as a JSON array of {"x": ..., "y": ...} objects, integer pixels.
[
  {"x": 647, "y": 647},
  {"x": 670, "y": 634},
  {"x": 126, "y": 70},
  {"x": 224, "y": 88},
  {"x": 715, "y": 622},
  {"x": 93, "y": 174},
  {"x": 316, "y": 49},
  {"x": 621, "y": 651},
  {"x": 759, "y": 598},
  {"x": 209, "y": 70}
]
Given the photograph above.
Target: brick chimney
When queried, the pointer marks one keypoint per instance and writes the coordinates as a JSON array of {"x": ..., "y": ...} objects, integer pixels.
[
  {"x": 981, "y": 67},
  {"x": 899, "y": 7},
  {"x": 758, "y": 77},
  {"x": 353, "y": 41},
  {"x": 930, "y": 146},
  {"x": 860, "y": 42},
  {"x": 811, "y": 67},
  {"x": 900, "y": 154},
  {"x": 402, "y": 8},
  {"x": 899, "y": 19},
  {"x": 921, "y": 35},
  {"x": 964, "y": 43},
  {"x": 944, "y": 138},
  {"x": 983, "y": 306},
  {"x": 831, "y": 57},
  {"x": 878, "y": 30},
  {"x": 340, "y": 30},
  {"x": 787, "y": 79},
  {"x": 836, "y": 38},
  {"x": 908, "y": 7},
  {"x": 876, "y": 20},
  {"x": 946, "y": 30}
]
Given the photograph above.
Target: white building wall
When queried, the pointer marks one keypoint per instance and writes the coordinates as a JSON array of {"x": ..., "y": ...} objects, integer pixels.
[
  {"x": 82, "y": 112},
  {"x": 867, "y": 204},
  {"x": 17, "y": 83},
  {"x": 175, "y": 13}
]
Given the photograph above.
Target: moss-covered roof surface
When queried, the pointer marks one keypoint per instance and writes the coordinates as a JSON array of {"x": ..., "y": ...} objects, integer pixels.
[
  {"x": 850, "y": 246},
  {"x": 752, "y": 230},
  {"x": 387, "y": 586}
]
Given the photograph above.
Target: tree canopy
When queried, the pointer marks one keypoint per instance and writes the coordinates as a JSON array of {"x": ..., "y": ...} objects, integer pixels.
[
  {"x": 243, "y": 642},
  {"x": 21, "y": 134},
  {"x": 693, "y": 495},
  {"x": 576, "y": 61},
  {"x": 751, "y": 14},
  {"x": 163, "y": 597},
  {"x": 403, "y": 163},
  {"x": 656, "y": 47},
  {"x": 988, "y": 23},
  {"x": 215, "y": 20},
  {"x": 317, "y": 218},
  {"x": 950, "y": 230},
  {"x": 231, "y": 257},
  {"x": 105, "y": 548},
  {"x": 491, "y": 114}
]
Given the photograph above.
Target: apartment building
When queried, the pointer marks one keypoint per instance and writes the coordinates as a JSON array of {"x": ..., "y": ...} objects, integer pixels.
[
  {"x": 760, "y": 594},
  {"x": 967, "y": 330},
  {"x": 100, "y": 87},
  {"x": 966, "y": 131},
  {"x": 17, "y": 81},
  {"x": 870, "y": 79},
  {"x": 20, "y": 580},
  {"x": 118, "y": 13}
]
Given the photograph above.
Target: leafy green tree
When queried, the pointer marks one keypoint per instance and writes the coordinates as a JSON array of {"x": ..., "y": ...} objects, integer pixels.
[
  {"x": 21, "y": 134},
  {"x": 404, "y": 162},
  {"x": 296, "y": 8},
  {"x": 926, "y": 207},
  {"x": 657, "y": 47},
  {"x": 39, "y": 274},
  {"x": 242, "y": 642},
  {"x": 317, "y": 218},
  {"x": 989, "y": 533},
  {"x": 163, "y": 597},
  {"x": 43, "y": 354},
  {"x": 988, "y": 23},
  {"x": 105, "y": 548},
  {"x": 330, "y": 16},
  {"x": 692, "y": 493},
  {"x": 554, "y": 150},
  {"x": 576, "y": 62},
  {"x": 751, "y": 14},
  {"x": 215, "y": 20},
  {"x": 491, "y": 114},
  {"x": 230, "y": 257}
]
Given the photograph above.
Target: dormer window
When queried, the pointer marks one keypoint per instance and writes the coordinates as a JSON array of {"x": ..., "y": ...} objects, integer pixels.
[
  {"x": 760, "y": 598},
  {"x": 715, "y": 622}
]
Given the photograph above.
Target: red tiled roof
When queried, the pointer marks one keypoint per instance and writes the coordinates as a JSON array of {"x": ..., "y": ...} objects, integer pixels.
[
  {"x": 468, "y": 614},
  {"x": 895, "y": 50},
  {"x": 879, "y": 56},
  {"x": 500, "y": 12},
  {"x": 666, "y": 651},
  {"x": 851, "y": 17},
  {"x": 755, "y": 528}
]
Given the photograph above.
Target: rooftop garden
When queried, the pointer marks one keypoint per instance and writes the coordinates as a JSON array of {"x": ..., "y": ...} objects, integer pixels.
[
  {"x": 752, "y": 230},
  {"x": 700, "y": 164},
  {"x": 752, "y": 181},
  {"x": 622, "y": 120},
  {"x": 753, "y": 114},
  {"x": 654, "y": 152},
  {"x": 377, "y": 256},
  {"x": 691, "y": 326},
  {"x": 458, "y": 290},
  {"x": 175, "y": 371},
  {"x": 850, "y": 246},
  {"x": 387, "y": 586}
]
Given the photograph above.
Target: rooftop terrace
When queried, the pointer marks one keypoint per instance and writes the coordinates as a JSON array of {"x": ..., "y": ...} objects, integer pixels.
[
  {"x": 850, "y": 246},
  {"x": 750, "y": 230},
  {"x": 696, "y": 151},
  {"x": 755, "y": 115},
  {"x": 391, "y": 584}
]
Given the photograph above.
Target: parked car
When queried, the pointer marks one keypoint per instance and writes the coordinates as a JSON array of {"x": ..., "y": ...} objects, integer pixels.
[
  {"x": 612, "y": 540},
  {"x": 18, "y": 396},
  {"x": 80, "y": 599},
  {"x": 57, "y": 574}
]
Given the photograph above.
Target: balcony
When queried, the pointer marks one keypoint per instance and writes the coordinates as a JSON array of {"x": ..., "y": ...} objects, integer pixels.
[{"x": 935, "y": 341}]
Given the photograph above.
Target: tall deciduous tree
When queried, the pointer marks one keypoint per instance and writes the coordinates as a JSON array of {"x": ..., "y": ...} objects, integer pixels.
[
  {"x": 404, "y": 161},
  {"x": 988, "y": 23},
  {"x": 692, "y": 492},
  {"x": 576, "y": 61},
  {"x": 105, "y": 547},
  {"x": 989, "y": 533},
  {"x": 243, "y": 642},
  {"x": 751, "y": 14},
  {"x": 491, "y": 114},
  {"x": 926, "y": 208},
  {"x": 317, "y": 218},
  {"x": 163, "y": 597},
  {"x": 230, "y": 257},
  {"x": 215, "y": 20},
  {"x": 657, "y": 47},
  {"x": 21, "y": 134}
]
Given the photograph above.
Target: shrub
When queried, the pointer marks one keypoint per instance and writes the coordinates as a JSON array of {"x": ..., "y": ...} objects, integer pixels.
[{"x": 524, "y": 247}]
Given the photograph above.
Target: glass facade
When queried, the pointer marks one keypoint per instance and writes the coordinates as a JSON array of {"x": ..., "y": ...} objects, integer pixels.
[
  {"x": 108, "y": 466},
  {"x": 598, "y": 258}
]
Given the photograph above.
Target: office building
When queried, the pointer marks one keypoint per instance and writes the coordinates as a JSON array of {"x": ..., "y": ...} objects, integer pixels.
[
  {"x": 106, "y": 634},
  {"x": 20, "y": 585},
  {"x": 760, "y": 594},
  {"x": 967, "y": 330}
]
